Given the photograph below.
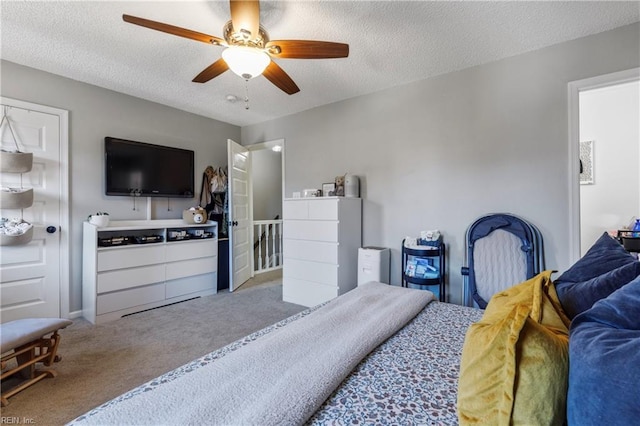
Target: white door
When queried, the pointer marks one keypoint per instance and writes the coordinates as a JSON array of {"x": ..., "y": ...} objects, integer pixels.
[
  {"x": 240, "y": 215},
  {"x": 30, "y": 274}
]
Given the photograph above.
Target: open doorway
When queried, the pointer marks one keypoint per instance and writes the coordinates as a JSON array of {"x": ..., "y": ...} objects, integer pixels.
[
  {"x": 610, "y": 145},
  {"x": 605, "y": 144},
  {"x": 256, "y": 185},
  {"x": 267, "y": 186}
]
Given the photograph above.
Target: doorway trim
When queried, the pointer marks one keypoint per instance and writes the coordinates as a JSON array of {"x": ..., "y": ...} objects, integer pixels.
[
  {"x": 65, "y": 229},
  {"x": 574, "y": 89},
  {"x": 258, "y": 147}
]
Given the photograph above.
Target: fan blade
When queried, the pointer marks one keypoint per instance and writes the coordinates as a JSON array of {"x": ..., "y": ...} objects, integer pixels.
[
  {"x": 307, "y": 49},
  {"x": 245, "y": 15},
  {"x": 170, "y": 29},
  {"x": 212, "y": 71},
  {"x": 281, "y": 79}
]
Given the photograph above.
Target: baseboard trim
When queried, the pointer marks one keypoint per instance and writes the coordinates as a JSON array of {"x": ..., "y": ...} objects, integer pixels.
[{"x": 75, "y": 314}]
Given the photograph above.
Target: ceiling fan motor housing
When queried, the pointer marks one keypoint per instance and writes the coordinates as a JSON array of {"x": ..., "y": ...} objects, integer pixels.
[{"x": 243, "y": 37}]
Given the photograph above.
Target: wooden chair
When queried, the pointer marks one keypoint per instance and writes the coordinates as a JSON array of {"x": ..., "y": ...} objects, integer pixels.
[{"x": 29, "y": 341}]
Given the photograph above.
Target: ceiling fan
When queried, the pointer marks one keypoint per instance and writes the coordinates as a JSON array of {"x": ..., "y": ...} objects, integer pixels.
[{"x": 249, "y": 51}]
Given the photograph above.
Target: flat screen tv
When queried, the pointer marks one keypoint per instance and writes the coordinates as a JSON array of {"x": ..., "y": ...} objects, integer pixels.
[{"x": 147, "y": 170}]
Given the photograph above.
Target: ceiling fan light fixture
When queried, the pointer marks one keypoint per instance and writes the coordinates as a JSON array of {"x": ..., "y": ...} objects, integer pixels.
[{"x": 247, "y": 62}]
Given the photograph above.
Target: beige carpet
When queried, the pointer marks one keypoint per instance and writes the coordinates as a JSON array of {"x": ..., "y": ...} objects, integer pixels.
[{"x": 101, "y": 362}]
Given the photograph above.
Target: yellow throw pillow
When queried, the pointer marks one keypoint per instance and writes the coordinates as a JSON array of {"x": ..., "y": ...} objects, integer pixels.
[
  {"x": 514, "y": 363},
  {"x": 539, "y": 294}
]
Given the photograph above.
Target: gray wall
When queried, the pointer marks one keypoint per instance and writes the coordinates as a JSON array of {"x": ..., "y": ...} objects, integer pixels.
[
  {"x": 438, "y": 153},
  {"x": 95, "y": 113}
]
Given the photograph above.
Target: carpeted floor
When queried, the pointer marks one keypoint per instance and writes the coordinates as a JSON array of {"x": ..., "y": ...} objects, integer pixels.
[{"x": 101, "y": 362}]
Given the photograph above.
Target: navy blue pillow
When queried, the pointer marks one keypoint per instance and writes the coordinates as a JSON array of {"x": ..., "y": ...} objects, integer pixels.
[
  {"x": 605, "y": 255},
  {"x": 578, "y": 297},
  {"x": 604, "y": 361}
]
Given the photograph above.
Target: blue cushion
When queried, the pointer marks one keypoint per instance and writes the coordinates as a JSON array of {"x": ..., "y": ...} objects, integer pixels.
[
  {"x": 605, "y": 255},
  {"x": 604, "y": 361},
  {"x": 578, "y": 297}
]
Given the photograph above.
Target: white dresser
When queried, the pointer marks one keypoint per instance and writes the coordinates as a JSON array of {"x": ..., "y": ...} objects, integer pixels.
[
  {"x": 321, "y": 237},
  {"x": 130, "y": 266}
]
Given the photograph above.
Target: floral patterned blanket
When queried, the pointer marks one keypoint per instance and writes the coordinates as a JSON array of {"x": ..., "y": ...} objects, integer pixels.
[{"x": 411, "y": 379}]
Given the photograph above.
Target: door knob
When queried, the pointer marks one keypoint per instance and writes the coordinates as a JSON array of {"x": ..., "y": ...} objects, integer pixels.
[
  {"x": 234, "y": 223},
  {"x": 51, "y": 229}
]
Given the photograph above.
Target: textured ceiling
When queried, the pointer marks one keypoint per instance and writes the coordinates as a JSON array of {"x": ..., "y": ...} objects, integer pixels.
[{"x": 391, "y": 43}]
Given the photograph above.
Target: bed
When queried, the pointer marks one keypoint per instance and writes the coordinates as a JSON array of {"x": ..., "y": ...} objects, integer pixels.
[
  {"x": 383, "y": 354},
  {"x": 408, "y": 376}
]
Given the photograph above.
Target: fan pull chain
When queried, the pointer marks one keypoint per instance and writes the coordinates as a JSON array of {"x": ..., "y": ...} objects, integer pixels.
[{"x": 246, "y": 94}]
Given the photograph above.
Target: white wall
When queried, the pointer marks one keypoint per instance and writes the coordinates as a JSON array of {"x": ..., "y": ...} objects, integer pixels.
[
  {"x": 610, "y": 117},
  {"x": 440, "y": 152},
  {"x": 95, "y": 113}
]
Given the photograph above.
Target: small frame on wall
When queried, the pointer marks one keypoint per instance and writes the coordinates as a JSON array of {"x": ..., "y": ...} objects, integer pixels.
[
  {"x": 586, "y": 163},
  {"x": 328, "y": 189}
]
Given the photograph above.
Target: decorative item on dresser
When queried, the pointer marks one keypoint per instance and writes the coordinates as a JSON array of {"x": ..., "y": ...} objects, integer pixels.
[
  {"x": 321, "y": 241},
  {"x": 130, "y": 266},
  {"x": 339, "y": 191},
  {"x": 99, "y": 219},
  {"x": 328, "y": 189}
]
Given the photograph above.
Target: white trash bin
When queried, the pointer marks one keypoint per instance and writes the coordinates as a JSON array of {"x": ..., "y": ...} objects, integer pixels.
[{"x": 373, "y": 264}]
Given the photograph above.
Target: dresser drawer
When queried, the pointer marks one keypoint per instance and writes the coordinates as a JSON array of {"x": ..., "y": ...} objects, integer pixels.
[
  {"x": 322, "y": 273},
  {"x": 127, "y": 257},
  {"x": 295, "y": 209},
  {"x": 307, "y": 293},
  {"x": 190, "y": 249},
  {"x": 318, "y": 209},
  {"x": 183, "y": 286},
  {"x": 310, "y": 250},
  {"x": 311, "y": 230},
  {"x": 186, "y": 268},
  {"x": 323, "y": 209},
  {"x": 128, "y": 278},
  {"x": 126, "y": 299}
]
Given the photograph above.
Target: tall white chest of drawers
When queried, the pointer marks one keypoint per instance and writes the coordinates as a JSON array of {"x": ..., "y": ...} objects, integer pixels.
[{"x": 321, "y": 237}]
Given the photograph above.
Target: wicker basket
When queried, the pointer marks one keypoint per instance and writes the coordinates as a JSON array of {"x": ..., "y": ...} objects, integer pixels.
[
  {"x": 20, "y": 199},
  {"x": 16, "y": 240},
  {"x": 16, "y": 162}
]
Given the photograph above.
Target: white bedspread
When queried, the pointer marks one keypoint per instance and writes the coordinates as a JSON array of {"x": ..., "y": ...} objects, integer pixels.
[{"x": 282, "y": 377}]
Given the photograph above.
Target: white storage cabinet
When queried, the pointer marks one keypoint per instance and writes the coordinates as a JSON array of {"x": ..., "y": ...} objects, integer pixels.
[
  {"x": 373, "y": 264},
  {"x": 126, "y": 278},
  {"x": 321, "y": 237}
]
